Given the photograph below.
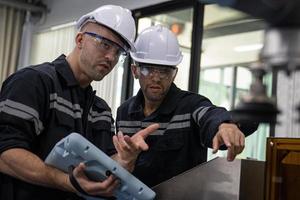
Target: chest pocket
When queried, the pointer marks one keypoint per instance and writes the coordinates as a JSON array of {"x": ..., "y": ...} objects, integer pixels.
[
  {"x": 65, "y": 121},
  {"x": 169, "y": 142},
  {"x": 164, "y": 159}
]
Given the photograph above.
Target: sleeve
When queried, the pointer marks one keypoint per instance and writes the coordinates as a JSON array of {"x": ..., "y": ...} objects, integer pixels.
[
  {"x": 208, "y": 117},
  {"x": 22, "y": 100},
  {"x": 247, "y": 127}
]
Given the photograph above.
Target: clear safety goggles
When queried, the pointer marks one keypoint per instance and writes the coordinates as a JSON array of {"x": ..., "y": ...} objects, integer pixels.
[
  {"x": 163, "y": 71},
  {"x": 106, "y": 45}
]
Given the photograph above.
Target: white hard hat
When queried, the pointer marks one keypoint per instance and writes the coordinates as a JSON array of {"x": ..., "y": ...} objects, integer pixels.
[
  {"x": 157, "y": 45},
  {"x": 116, "y": 18}
]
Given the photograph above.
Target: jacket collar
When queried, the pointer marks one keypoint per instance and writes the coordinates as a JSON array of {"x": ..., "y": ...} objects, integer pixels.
[
  {"x": 171, "y": 100},
  {"x": 64, "y": 70}
]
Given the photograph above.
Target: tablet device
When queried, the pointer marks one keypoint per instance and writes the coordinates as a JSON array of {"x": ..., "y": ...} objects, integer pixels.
[{"x": 74, "y": 149}]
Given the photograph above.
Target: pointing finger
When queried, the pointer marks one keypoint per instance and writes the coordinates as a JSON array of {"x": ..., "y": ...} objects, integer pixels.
[
  {"x": 147, "y": 131},
  {"x": 216, "y": 144}
]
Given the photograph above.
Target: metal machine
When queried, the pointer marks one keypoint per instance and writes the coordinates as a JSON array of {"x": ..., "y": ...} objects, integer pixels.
[{"x": 281, "y": 51}]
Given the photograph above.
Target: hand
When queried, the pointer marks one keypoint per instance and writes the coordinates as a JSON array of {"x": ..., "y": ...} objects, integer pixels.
[
  {"x": 232, "y": 137},
  {"x": 128, "y": 148},
  {"x": 104, "y": 188}
]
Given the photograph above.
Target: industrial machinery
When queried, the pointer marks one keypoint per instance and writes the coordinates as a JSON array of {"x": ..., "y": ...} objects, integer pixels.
[{"x": 281, "y": 51}]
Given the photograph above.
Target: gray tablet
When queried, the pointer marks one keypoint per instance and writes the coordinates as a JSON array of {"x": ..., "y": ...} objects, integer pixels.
[{"x": 74, "y": 149}]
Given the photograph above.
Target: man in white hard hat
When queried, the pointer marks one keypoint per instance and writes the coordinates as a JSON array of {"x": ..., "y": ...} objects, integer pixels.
[
  {"x": 42, "y": 104},
  {"x": 189, "y": 122}
]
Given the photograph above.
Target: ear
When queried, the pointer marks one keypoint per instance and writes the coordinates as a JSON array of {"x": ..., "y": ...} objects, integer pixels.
[
  {"x": 175, "y": 74},
  {"x": 134, "y": 71},
  {"x": 79, "y": 40}
]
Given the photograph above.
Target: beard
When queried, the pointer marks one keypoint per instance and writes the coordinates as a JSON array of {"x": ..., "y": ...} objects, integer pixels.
[
  {"x": 154, "y": 96},
  {"x": 96, "y": 75},
  {"x": 92, "y": 70}
]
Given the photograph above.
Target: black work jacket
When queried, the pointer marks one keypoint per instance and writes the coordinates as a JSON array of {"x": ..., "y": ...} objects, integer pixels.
[
  {"x": 41, "y": 105},
  {"x": 188, "y": 123}
]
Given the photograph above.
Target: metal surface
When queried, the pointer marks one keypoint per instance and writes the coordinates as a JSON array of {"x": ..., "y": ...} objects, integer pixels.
[
  {"x": 252, "y": 180},
  {"x": 255, "y": 112},
  {"x": 298, "y": 108},
  {"x": 256, "y": 106},
  {"x": 216, "y": 179},
  {"x": 281, "y": 49},
  {"x": 281, "y": 45}
]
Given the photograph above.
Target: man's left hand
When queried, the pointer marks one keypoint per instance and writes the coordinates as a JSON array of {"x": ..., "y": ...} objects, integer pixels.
[{"x": 232, "y": 137}]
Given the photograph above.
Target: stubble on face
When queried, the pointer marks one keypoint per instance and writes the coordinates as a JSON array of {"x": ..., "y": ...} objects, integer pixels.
[
  {"x": 95, "y": 69},
  {"x": 154, "y": 91},
  {"x": 95, "y": 64}
]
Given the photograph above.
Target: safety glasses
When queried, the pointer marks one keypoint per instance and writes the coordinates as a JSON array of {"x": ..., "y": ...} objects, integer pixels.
[
  {"x": 163, "y": 71},
  {"x": 107, "y": 45}
]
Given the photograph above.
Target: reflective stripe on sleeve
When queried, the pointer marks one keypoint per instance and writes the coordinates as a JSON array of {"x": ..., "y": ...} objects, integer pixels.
[
  {"x": 199, "y": 113},
  {"x": 22, "y": 111}
]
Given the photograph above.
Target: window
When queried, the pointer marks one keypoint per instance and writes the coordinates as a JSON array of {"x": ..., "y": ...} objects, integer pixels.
[{"x": 231, "y": 42}]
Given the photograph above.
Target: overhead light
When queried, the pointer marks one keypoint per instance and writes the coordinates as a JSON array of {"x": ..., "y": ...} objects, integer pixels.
[{"x": 251, "y": 47}]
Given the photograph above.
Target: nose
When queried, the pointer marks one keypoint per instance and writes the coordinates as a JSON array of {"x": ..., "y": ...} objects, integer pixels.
[
  {"x": 111, "y": 55},
  {"x": 155, "y": 74}
]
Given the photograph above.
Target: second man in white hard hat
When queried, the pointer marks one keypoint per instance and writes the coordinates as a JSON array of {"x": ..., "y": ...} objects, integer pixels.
[{"x": 189, "y": 122}]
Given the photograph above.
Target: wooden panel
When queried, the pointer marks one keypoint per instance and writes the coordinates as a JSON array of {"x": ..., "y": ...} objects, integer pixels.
[{"x": 283, "y": 169}]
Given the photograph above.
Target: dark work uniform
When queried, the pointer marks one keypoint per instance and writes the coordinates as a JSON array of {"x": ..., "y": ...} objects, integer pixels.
[
  {"x": 188, "y": 123},
  {"x": 40, "y": 105}
]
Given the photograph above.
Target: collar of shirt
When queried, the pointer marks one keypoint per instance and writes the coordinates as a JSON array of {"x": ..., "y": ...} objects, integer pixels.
[
  {"x": 64, "y": 70},
  {"x": 168, "y": 105}
]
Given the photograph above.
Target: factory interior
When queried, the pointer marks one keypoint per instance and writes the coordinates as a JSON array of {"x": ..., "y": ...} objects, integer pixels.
[{"x": 244, "y": 55}]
